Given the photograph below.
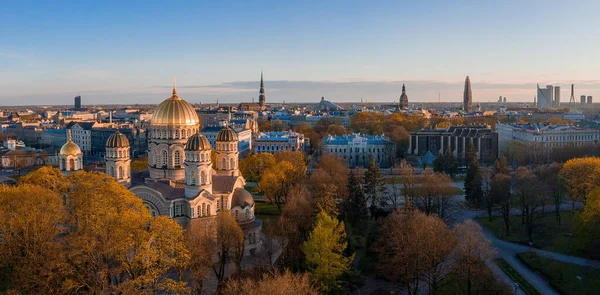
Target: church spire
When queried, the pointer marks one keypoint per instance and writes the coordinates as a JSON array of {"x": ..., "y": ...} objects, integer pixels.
[
  {"x": 174, "y": 85},
  {"x": 261, "y": 97}
]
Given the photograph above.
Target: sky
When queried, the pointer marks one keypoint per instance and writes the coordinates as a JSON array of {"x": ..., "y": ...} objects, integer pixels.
[{"x": 127, "y": 52}]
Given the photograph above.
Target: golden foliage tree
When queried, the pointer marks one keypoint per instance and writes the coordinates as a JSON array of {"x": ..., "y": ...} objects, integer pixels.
[
  {"x": 581, "y": 175},
  {"x": 229, "y": 237},
  {"x": 46, "y": 177},
  {"x": 329, "y": 183},
  {"x": 280, "y": 283},
  {"x": 254, "y": 166},
  {"x": 324, "y": 253}
]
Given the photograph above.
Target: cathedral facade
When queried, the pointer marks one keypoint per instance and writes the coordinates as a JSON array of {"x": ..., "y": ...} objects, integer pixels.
[{"x": 182, "y": 181}]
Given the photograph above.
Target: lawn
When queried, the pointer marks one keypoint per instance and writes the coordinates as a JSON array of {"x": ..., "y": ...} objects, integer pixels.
[
  {"x": 564, "y": 277},
  {"x": 516, "y": 277},
  {"x": 268, "y": 213},
  {"x": 548, "y": 235}
]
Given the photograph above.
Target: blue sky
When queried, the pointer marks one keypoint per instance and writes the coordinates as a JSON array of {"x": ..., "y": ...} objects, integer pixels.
[{"x": 128, "y": 51}]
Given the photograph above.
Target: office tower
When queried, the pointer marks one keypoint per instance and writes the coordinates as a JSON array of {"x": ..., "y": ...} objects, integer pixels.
[
  {"x": 505, "y": 99},
  {"x": 582, "y": 99},
  {"x": 589, "y": 99},
  {"x": 467, "y": 96},
  {"x": 557, "y": 96},
  {"x": 545, "y": 97},
  {"x": 78, "y": 102}
]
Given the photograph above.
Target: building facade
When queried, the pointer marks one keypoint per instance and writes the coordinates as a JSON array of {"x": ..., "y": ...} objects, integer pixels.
[
  {"x": 546, "y": 136},
  {"x": 274, "y": 142},
  {"x": 457, "y": 140},
  {"x": 358, "y": 149}
]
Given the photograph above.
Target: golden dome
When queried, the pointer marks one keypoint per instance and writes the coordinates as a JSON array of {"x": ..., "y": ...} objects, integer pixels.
[
  {"x": 197, "y": 142},
  {"x": 227, "y": 134},
  {"x": 70, "y": 149},
  {"x": 175, "y": 112},
  {"x": 117, "y": 140}
]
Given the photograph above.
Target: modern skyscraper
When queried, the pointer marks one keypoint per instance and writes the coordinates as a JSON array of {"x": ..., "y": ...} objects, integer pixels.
[
  {"x": 78, "y": 102},
  {"x": 467, "y": 96},
  {"x": 582, "y": 99},
  {"x": 545, "y": 97},
  {"x": 556, "y": 96},
  {"x": 262, "y": 100},
  {"x": 403, "y": 99}
]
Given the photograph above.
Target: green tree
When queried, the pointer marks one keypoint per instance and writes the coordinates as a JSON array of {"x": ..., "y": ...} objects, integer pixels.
[
  {"x": 356, "y": 209},
  {"x": 374, "y": 188},
  {"x": 473, "y": 179},
  {"x": 446, "y": 163},
  {"x": 324, "y": 254}
]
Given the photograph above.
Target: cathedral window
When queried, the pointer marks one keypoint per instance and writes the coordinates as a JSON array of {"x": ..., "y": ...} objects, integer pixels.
[
  {"x": 218, "y": 205},
  {"x": 177, "y": 157},
  {"x": 231, "y": 164},
  {"x": 165, "y": 158},
  {"x": 203, "y": 177},
  {"x": 71, "y": 165},
  {"x": 203, "y": 209},
  {"x": 176, "y": 133},
  {"x": 120, "y": 172},
  {"x": 208, "y": 210},
  {"x": 224, "y": 164},
  {"x": 198, "y": 211},
  {"x": 111, "y": 171},
  {"x": 193, "y": 177}
]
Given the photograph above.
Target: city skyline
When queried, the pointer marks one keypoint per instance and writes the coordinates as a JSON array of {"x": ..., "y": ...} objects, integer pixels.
[{"x": 126, "y": 53}]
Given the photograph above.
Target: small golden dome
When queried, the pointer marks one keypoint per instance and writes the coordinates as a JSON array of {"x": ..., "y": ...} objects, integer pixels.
[
  {"x": 197, "y": 142},
  {"x": 227, "y": 134},
  {"x": 175, "y": 111},
  {"x": 70, "y": 149},
  {"x": 117, "y": 140}
]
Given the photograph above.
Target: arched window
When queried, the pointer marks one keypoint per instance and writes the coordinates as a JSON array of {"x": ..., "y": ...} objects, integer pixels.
[
  {"x": 203, "y": 209},
  {"x": 176, "y": 133},
  {"x": 208, "y": 210},
  {"x": 231, "y": 164},
  {"x": 203, "y": 177},
  {"x": 224, "y": 164},
  {"x": 165, "y": 158},
  {"x": 120, "y": 172},
  {"x": 71, "y": 165},
  {"x": 193, "y": 177},
  {"x": 177, "y": 157},
  {"x": 198, "y": 211},
  {"x": 111, "y": 171}
]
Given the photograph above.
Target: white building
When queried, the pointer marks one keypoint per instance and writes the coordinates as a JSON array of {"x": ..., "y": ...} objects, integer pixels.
[
  {"x": 357, "y": 149},
  {"x": 548, "y": 136},
  {"x": 274, "y": 142}
]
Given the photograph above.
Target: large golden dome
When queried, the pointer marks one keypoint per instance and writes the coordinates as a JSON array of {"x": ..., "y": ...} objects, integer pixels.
[
  {"x": 70, "y": 149},
  {"x": 175, "y": 112},
  {"x": 117, "y": 140}
]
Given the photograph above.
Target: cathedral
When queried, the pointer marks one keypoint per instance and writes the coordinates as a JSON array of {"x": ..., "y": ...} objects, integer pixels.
[{"x": 182, "y": 181}]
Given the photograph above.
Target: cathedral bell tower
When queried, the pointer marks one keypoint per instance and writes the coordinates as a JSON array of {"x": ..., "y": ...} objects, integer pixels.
[
  {"x": 197, "y": 165},
  {"x": 227, "y": 152},
  {"x": 118, "y": 161}
]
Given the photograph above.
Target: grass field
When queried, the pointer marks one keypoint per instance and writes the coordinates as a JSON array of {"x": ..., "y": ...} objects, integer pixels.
[
  {"x": 564, "y": 277},
  {"x": 268, "y": 213},
  {"x": 548, "y": 235},
  {"x": 515, "y": 276}
]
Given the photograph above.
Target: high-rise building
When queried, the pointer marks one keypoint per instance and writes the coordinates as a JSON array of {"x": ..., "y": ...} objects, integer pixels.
[
  {"x": 77, "y": 102},
  {"x": 403, "y": 99},
  {"x": 556, "y": 96},
  {"x": 262, "y": 100},
  {"x": 582, "y": 101},
  {"x": 467, "y": 96},
  {"x": 545, "y": 98},
  {"x": 589, "y": 99}
]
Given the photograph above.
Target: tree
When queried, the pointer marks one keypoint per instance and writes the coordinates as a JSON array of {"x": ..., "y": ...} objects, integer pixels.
[
  {"x": 276, "y": 182},
  {"x": 285, "y": 283},
  {"x": 549, "y": 175},
  {"x": 46, "y": 177},
  {"x": 414, "y": 248},
  {"x": 298, "y": 174},
  {"x": 324, "y": 254},
  {"x": 581, "y": 175},
  {"x": 488, "y": 199},
  {"x": 501, "y": 165},
  {"x": 374, "y": 188},
  {"x": 356, "y": 210},
  {"x": 470, "y": 254},
  {"x": 446, "y": 163},
  {"x": 139, "y": 165},
  {"x": 329, "y": 183},
  {"x": 31, "y": 254},
  {"x": 501, "y": 193},
  {"x": 589, "y": 227},
  {"x": 277, "y": 125},
  {"x": 254, "y": 166},
  {"x": 434, "y": 194},
  {"x": 294, "y": 225},
  {"x": 473, "y": 193},
  {"x": 400, "y": 136},
  {"x": 229, "y": 236},
  {"x": 200, "y": 242},
  {"x": 410, "y": 185}
]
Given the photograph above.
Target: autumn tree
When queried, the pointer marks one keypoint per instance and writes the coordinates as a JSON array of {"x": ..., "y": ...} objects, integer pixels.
[
  {"x": 277, "y": 125},
  {"x": 581, "y": 175},
  {"x": 434, "y": 195},
  {"x": 400, "y": 137},
  {"x": 31, "y": 255},
  {"x": 298, "y": 174},
  {"x": 139, "y": 165},
  {"x": 254, "y": 166},
  {"x": 549, "y": 175},
  {"x": 446, "y": 163},
  {"x": 473, "y": 193},
  {"x": 281, "y": 283},
  {"x": 414, "y": 248},
  {"x": 470, "y": 255},
  {"x": 589, "y": 227},
  {"x": 409, "y": 183},
  {"x": 228, "y": 238},
  {"x": 200, "y": 242},
  {"x": 46, "y": 177},
  {"x": 488, "y": 200},
  {"x": 294, "y": 225},
  {"x": 276, "y": 182},
  {"x": 324, "y": 254},
  {"x": 374, "y": 188},
  {"x": 329, "y": 183}
]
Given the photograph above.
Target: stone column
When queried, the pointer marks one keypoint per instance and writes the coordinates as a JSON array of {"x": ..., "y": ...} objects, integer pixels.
[
  {"x": 479, "y": 148},
  {"x": 464, "y": 147},
  {"x": 410, "y": 144},
  {"x": 456, "y": 146},
  {"x": 416, "y": 145}
]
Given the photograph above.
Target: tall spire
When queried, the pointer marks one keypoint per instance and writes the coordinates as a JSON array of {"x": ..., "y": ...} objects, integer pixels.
[
  {"x": 261, "y": 97},
  {"x": 467, "y": 96},
  {"x": 403, "y": 88},
  {"x": 175, "y": 85}
]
